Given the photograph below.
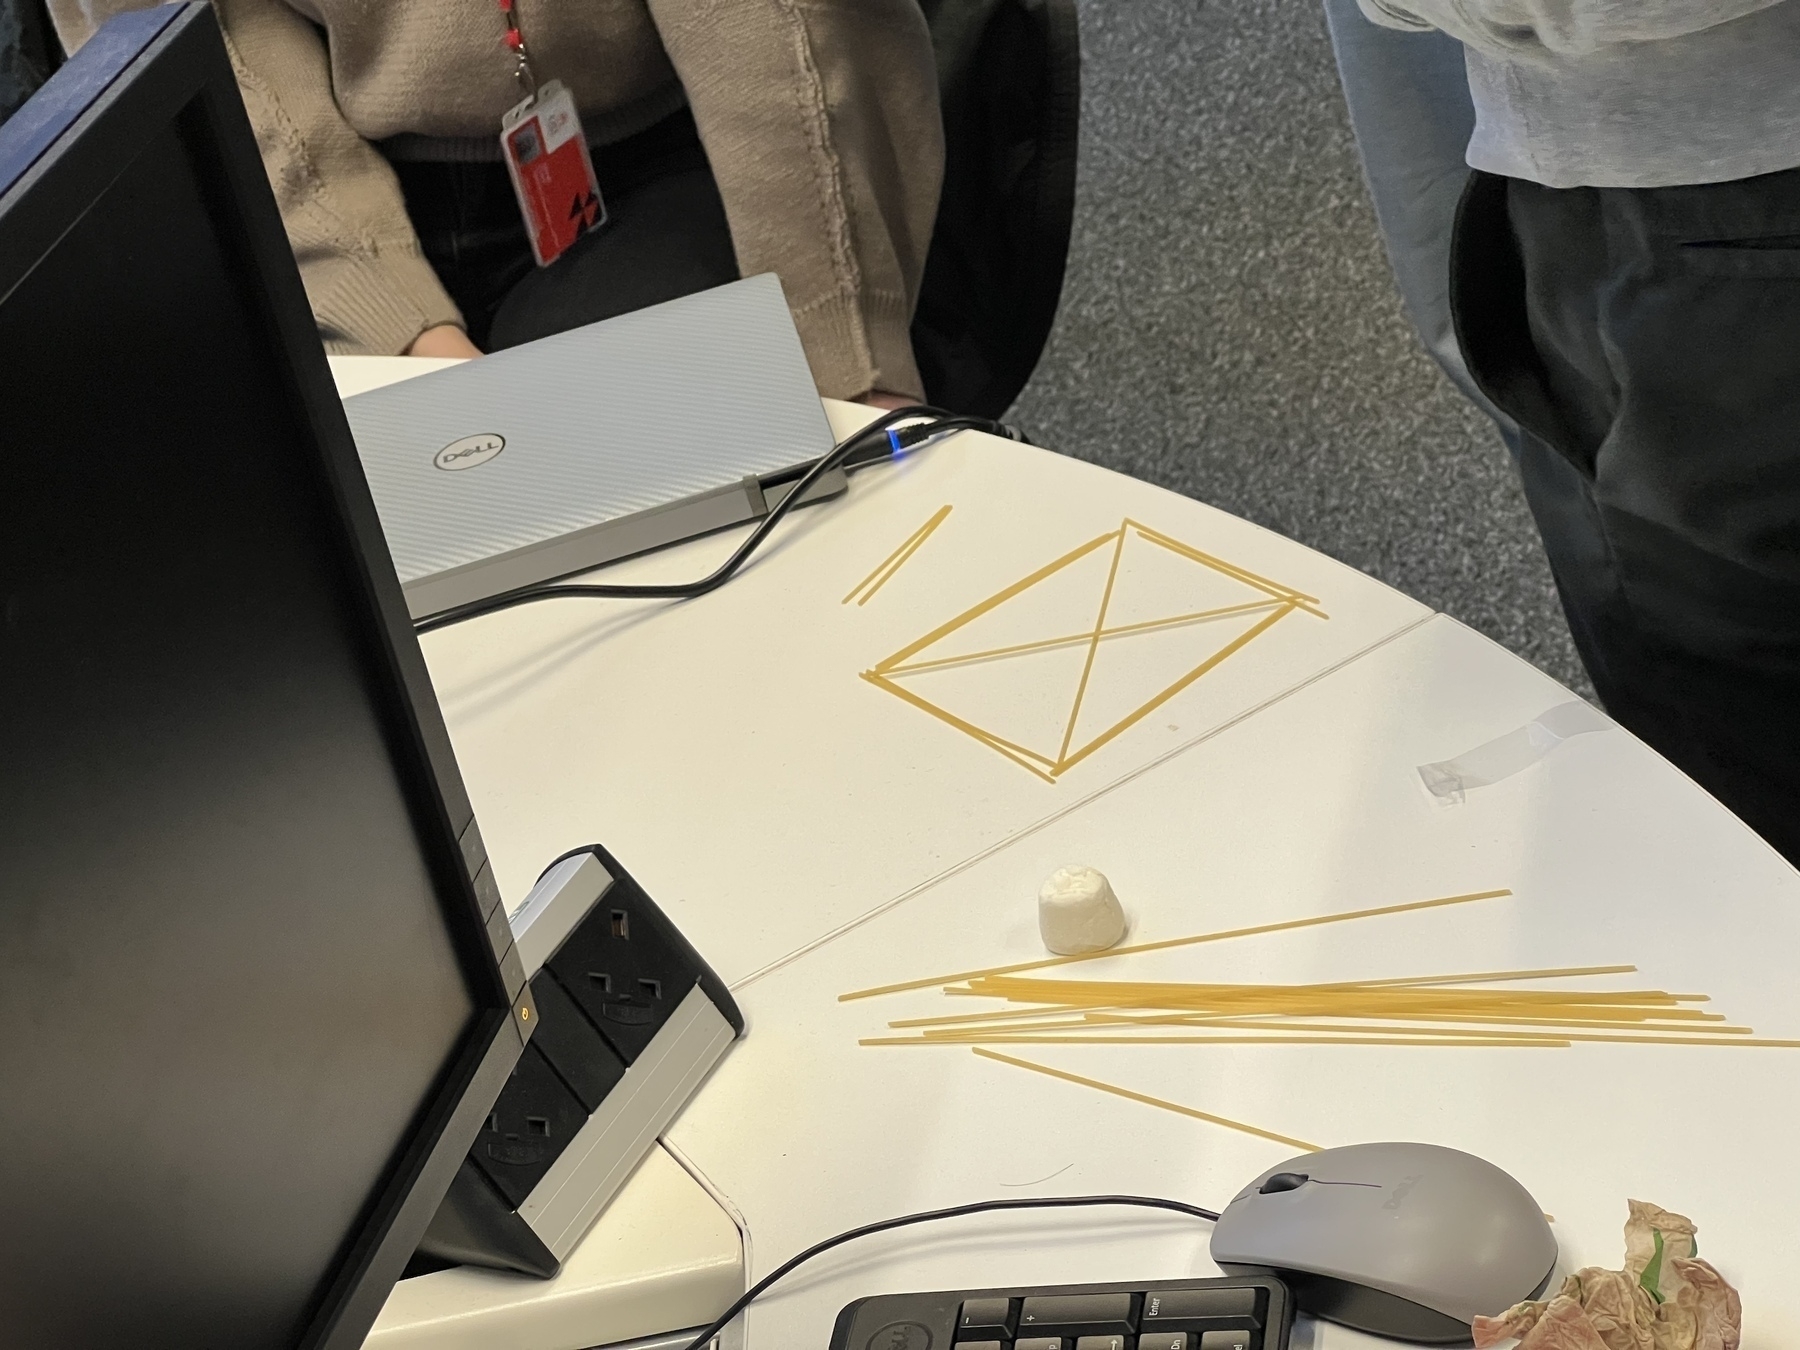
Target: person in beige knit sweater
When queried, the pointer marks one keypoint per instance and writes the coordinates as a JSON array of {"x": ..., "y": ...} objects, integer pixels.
[{"x": 800, "y": 137}]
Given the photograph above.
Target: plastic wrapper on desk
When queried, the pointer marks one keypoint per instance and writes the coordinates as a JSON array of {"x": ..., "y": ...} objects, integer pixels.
[{"x": 1666, "y": 1298}]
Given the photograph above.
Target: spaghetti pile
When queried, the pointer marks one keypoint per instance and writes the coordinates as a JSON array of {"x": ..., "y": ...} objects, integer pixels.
[
  {"x": 1428, "y": 1010},
  {"x": 1477, "y": 1008}
]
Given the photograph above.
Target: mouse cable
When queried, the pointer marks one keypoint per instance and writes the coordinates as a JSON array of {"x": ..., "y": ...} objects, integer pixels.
[
  {"x": 883, "y": 438},
  {"x": 954, "y": 1212}
]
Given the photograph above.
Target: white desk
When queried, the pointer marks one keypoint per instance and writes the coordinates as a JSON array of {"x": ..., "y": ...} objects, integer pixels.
[{"x": 813, "y": 833}]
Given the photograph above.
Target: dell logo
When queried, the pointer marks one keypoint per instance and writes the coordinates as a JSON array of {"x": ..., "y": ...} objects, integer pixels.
[
  {"x": 1401, "y": 1191},
  {"x": 470, "y": 452}
]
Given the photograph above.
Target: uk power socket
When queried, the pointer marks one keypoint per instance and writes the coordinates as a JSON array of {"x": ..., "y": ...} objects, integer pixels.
[{"x": 630, "y": 1021}]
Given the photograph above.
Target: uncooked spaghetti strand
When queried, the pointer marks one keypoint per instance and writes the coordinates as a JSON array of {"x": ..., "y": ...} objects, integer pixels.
[
  {"x": 1272, "y": 1024},
  {"x": 997, "y": 1015},
  {"x": 1415, "y": 1012},
  {"x": 950, "y": 1033},
  {"x": 1722, "y": 1042},
  {"x": 1212, "y": 1009},
  {"x": 1204, "y": 997},
  {"x": 1110, "y": 1033},
  {"x": 1127, "y": 1093},
  {"x": 1471, "y": 1042},
  {"x": 1168, "y": 943},
  {"x": 1559, "y": 1038},
  {"x": 1080, "y": 1033},
  {"x": 1000, "y": 985},
  {"x": 1106, "y": 1017},
  {"x": 1484, "y": 977},
  {"x": 1200, "y": 997}
]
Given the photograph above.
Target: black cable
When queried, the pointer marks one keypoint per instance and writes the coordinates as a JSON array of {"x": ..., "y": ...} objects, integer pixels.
[
  {"x": 884, "y": 435},
  {"x": 954, "y": 1212}
]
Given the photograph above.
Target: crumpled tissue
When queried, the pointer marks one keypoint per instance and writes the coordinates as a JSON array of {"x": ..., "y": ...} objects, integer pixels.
[{"x": 1666, "y": 1298}]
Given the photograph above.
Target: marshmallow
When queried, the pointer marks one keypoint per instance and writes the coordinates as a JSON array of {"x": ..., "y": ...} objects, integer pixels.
[{"x": 1078, "y": 912}]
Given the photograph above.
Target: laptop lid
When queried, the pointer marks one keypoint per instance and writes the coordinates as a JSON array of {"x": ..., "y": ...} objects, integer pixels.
[{"x": 575, "y": 450}]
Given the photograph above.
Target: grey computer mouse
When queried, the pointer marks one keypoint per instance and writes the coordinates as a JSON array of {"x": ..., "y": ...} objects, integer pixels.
[{"x": 1411, "y": 1241}]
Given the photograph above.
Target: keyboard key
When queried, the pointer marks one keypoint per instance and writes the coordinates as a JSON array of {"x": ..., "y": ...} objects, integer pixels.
[
  {"x": 991, "y": 1318},
  {"x": 1080, "y": 1314},
  {"x": 1198, "y": 1309},
  {"x": 1250, "y": 1313},
  {"x": 901, "y": 1336}
]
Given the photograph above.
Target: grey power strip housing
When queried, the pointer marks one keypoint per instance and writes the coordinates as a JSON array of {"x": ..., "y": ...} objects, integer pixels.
[{"x": 631, "y": 1021}]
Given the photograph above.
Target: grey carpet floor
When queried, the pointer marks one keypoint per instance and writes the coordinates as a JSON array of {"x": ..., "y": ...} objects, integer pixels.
[{"x": 1230, "y": 330}]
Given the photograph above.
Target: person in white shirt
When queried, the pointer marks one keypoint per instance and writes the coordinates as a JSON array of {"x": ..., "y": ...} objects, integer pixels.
[{"x": 1624, "y": 279}]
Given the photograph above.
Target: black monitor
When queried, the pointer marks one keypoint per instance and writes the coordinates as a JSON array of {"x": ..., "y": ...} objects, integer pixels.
[{"x": 256, "y": 990}]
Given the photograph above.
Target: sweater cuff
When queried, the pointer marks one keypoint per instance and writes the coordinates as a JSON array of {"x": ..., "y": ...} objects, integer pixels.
[
  {"x": 375, "y": 304},
  {"x": 857, "y": 347},
  {"x": 1389, "y": 15}
]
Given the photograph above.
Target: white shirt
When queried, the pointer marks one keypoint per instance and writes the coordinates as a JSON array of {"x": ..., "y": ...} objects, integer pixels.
[{"x": 1624, "y": 93}]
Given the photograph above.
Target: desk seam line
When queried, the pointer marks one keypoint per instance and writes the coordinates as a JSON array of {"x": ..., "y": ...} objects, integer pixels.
[{"x": 1025, "y": 831}]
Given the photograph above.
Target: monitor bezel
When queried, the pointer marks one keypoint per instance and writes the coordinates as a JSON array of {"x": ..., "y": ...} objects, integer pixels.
[{"x": 58, "y": 156}]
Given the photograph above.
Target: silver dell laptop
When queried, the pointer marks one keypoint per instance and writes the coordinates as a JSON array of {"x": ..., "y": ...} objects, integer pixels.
[{"x": 580, "y": 449}]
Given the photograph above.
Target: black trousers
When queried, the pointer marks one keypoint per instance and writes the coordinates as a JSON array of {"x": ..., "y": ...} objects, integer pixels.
[
  {"x": 665, "y": 237},
  {"x": 1647, "y": 341}
]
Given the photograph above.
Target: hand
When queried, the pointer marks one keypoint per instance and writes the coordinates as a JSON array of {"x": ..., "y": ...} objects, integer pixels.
[
  {"x": 444, "y": 340},
  {"x": 880, "y": 398}
]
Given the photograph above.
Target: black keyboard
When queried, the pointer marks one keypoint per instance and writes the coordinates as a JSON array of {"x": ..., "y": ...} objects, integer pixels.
[{"x": 1240, "y": 1313}]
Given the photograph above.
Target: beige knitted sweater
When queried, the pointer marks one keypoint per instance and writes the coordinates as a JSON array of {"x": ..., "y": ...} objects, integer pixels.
[{"x": 820, "y": 119}]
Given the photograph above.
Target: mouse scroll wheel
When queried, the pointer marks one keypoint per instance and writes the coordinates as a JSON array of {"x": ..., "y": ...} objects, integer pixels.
[{"x": 1283, "y": 1181}]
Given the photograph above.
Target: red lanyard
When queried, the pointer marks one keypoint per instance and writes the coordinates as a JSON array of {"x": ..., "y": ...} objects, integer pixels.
[
  {"x": 515, "y": 43},
  {"x": 547, "y": 157}
]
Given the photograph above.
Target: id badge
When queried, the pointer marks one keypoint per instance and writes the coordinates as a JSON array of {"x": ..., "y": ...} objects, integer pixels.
[{"x": 552, "y": 174}]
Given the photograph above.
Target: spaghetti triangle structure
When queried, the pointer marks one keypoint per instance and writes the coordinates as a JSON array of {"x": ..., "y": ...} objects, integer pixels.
[{"x": 986, "y": 667}]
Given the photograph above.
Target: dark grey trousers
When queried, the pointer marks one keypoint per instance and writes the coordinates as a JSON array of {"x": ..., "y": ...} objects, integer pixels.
[{"x": 1647, "y": 342}]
